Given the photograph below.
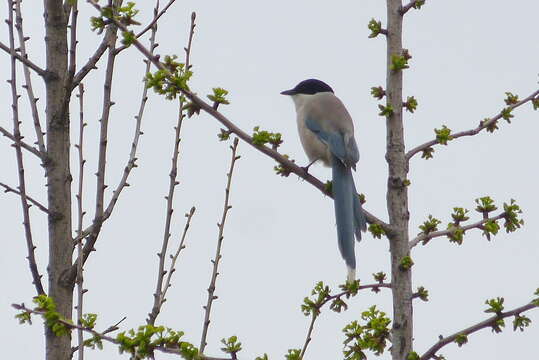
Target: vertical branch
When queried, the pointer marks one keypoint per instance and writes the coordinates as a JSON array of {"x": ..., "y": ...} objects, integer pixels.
[
  {"x": 73, "y": 45},
  {"x": 27, "y": 78},
  {"x": 18, "y": 153},
  {"x": 103, "y": 141},
  {"x": 217, "y": 259},
  {"x": 58, "y": 174},
  {"x": 397, "y": 193},
  {"x": 80, "y": 216},
  {"x": 159, "y": 297}
]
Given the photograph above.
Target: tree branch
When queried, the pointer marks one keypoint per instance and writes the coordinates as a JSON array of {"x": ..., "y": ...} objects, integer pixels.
[
  {"x": 33, "y": 201},
  {"x": 102, "y": 335},
  {"x": 405, "y": 8},
  {"x": 216, "y": 260},
  {"x": 156, "y": 17},
  {"x": 159, "y": 296},
  {"x": 431, "y": 353},
  {"x": 80, "y": 216},
  {"x": 25, "y": 61},
  {"x": 477, "y": 225},
  {"x": 18, "y": 153},
  {"x": 26, "y": 70},
  {"x": 22, "y": 144},
  {"x": 110, "y": 34},
  {"x": 285, "y": 162},
  {"x": 482, "y": 125}
]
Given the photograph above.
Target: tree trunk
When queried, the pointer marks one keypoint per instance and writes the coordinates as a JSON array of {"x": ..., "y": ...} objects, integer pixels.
[
  {"x": 397, "y": 193},
  {"x": 58, "y": 174}
]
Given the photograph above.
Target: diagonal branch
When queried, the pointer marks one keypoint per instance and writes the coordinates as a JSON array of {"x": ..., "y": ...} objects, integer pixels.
[
  {"x": 18, "y": 153},
  {"x": 28, "y": 79},
  {"x": 24, "y": 60},
  {"x": 482, "y": 125},
  {"x": 217, "y": 259},
  {"x": 39, "y": 205},
  {"x": 110, "y": 35},
  {"x": 431, "y": 353},
  {"x": 477, "y": 225},
  {"x": 21, "y": 143},
  {"x": 404, "y": 9}
]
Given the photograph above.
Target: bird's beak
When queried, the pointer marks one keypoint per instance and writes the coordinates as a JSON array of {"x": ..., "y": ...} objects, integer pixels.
[{"x": 288, "y": 92}]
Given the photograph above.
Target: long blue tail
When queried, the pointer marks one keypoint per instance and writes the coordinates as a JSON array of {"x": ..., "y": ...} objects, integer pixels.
[{"x": 349, "y": 215}]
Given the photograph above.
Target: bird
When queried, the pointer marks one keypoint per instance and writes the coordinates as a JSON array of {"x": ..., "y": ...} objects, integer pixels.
[{"x": 326, "y": 132}]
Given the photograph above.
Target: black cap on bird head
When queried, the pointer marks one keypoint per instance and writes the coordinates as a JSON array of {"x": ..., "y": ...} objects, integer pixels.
[{"x": 309, "y": 87}]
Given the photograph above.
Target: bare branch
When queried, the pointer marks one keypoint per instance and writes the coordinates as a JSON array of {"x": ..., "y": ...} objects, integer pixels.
[
  {"x": 73, "y": 45},
  {"x": 172, "y": 268},
  {"x": 431, "y": 353},
  {"x": 217, "y": 259},
  {"x": 22, "y": 59},
  {"x": 18, "y": 153},
  {"x": 159, "y": 295},
  {"x": 482, "y": 125},
  {"x": 110, "y": 35},
  {"x": 80, "y": 215},
  {"x": 286, "y": 163},
  {"x": 26, "y": 70},
  {"x": 33, "y": 201},
  {"x": 19, "y": 141},
  {"x": 477, "y": 225}
]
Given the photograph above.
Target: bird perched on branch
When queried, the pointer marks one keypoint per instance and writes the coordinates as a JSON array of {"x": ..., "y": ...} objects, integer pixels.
[{"x": 326, "y": 131}]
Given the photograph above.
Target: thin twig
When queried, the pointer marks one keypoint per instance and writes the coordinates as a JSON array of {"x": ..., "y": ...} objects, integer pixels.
[
  {"x": 18, "y": 153},
  {"x": 80, "y": 216},
  {"x": 110, "y": 35},
  {"x": 108, "y": 330},
  {"x": 22, "y": 59},
  {"x": 217, "y": 259},
  {"x": 482, "y": 125},
  {"x": 159, "y": 297},
  {"x": 73, "y": 45},
  {"x": 477, "y": 225},
  {"x": 285, "y": 162},
  {"x": 172, "y": 268},
  {"x": 491, "y": 321},
  {"x": 28, "y": 79},
  {"x": 156, "y": 17},
  {"x": 102, "y": 157},
  {"x": 23, "y": 145},
  {"x": 39, "y": 205}
]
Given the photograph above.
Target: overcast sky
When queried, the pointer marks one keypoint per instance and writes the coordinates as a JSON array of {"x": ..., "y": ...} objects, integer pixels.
[{"x": 280, "y": 237}]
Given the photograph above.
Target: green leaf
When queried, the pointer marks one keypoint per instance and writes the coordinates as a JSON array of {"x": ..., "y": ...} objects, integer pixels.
[
  {"x": 398, "y": 62},
  {"x": 406, "y": 263},
  {"x": 510, "y": 98},
  {"x": 495, "y": 305},
  {"x": 386, "y": 111},
  {"x": 411, "y": 104},
  {"x": 218, "y": 96},
  {"x": 375, "y": 27},
  {"x": 430, "y": 225},
  {"x": 378, "y": 92},
  {"x": 520, "y": 322},
  {"x": 377, "y": 231},
  {"x": 461, "y": 339},
  {"x": 293, "y": 354},
  {"x": 427, "y": 153},
  {"x": 443, "y": 135}
]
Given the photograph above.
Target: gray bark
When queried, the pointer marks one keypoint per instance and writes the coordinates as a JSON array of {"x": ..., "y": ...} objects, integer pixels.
[
  {"x": 397, "y": 193},
  {"x": 58, "y": 174}
]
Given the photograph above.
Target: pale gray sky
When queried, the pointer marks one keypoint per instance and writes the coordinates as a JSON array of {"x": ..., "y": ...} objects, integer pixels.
[{"x": 280, "y": 236}]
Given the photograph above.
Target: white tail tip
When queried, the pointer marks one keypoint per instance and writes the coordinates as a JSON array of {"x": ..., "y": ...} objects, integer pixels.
[{"x": 351, "y": 277}]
